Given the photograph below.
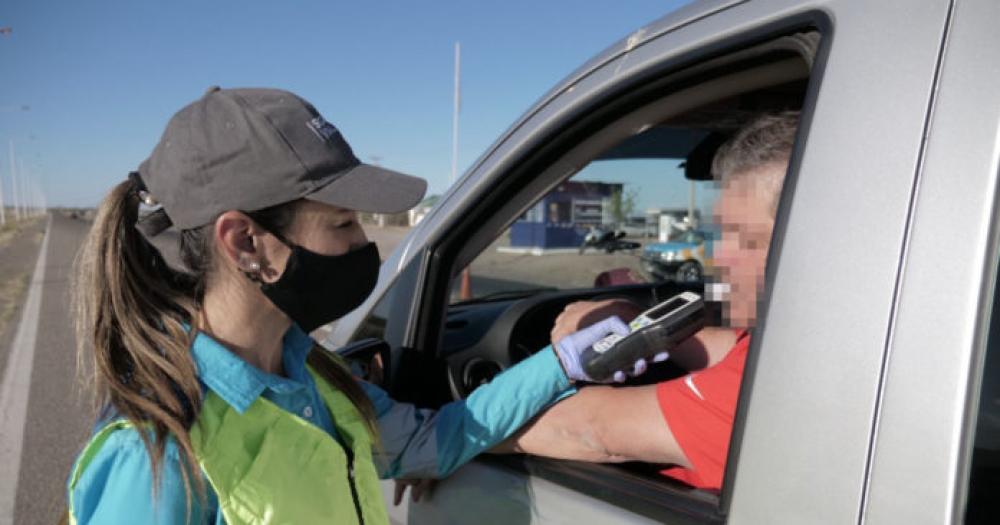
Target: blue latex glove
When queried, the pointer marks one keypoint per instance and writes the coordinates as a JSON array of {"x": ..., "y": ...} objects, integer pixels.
[{"x": 570, "y": 347}]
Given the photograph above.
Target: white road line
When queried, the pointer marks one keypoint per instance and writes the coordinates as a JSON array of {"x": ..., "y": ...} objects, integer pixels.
[{"x": 16, "y": 386}]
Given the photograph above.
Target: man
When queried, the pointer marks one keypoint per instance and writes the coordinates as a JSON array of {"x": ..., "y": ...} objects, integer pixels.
[{"x": 684, "y": 422}]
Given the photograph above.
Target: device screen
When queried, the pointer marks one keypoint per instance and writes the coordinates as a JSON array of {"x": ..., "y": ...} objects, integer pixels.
[{"x": 667, "y": 308}]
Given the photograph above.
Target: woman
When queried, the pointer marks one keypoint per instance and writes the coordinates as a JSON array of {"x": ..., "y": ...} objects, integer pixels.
[{"x": 196, "y": 289}]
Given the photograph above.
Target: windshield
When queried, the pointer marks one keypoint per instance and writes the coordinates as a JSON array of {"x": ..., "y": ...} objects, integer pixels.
[{"x": 689, "y": 236}]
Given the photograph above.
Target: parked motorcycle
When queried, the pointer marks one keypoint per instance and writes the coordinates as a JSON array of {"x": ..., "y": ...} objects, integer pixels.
[{"x": 608, "y": 240}]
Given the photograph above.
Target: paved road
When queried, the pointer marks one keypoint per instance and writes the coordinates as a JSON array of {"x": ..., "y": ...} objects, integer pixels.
[{"x": 55, "y": 421}]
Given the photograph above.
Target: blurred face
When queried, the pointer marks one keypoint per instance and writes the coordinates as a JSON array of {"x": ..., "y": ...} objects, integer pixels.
[{"x": 744, "y": 212}]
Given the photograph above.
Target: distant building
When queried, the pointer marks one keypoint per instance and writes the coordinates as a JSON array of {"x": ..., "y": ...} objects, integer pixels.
[{"x": 563, "y": 217}]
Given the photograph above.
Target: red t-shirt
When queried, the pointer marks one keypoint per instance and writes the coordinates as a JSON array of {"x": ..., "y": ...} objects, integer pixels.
[{"x": 699, "y": 409}]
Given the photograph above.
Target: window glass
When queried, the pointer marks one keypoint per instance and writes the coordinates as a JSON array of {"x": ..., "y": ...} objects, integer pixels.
[
  {"x": 619, "y": 220},
  {"x": 374, "y": 325},
  {"x": 392, "y": 305}
]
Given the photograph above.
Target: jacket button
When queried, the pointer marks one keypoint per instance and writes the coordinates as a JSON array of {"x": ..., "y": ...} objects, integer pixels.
[{"x": 307, "y": 411}]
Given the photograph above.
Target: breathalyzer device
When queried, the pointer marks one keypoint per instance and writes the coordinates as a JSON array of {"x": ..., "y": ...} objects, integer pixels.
[{"x": 656, "y": 330}]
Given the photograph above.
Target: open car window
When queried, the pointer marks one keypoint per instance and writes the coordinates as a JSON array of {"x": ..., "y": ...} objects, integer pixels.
[
  {"x": 643, "y": 192},
  {"x": 627, "y": 217}
]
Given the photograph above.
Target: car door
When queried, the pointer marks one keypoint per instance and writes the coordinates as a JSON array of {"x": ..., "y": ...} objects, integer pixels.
[
  {"x": 802, "y": 441},
  {"x": 940, "y": 342}
]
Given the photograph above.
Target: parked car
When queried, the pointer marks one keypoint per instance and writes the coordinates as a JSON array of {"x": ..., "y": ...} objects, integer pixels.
[
  {"x": 871, "y": 392},
  {"x": 681, "y": 259}
]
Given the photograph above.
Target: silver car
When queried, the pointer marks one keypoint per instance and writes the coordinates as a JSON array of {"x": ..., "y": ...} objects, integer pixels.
[{"x": 865, "y": 398}]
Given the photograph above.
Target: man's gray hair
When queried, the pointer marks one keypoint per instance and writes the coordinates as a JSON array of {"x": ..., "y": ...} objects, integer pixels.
[{"x": 765, "y": 139}]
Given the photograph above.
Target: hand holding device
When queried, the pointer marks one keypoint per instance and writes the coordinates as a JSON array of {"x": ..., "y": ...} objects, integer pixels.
[
  {"x": 570, "y": 348},
  {"x": 651, "y": 334}
]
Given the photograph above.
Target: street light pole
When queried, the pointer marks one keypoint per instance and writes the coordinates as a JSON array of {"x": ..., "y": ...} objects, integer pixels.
[
  {"x": 23, "y": 186},
  {"x": 3, "y": 211},
  {"x": 6, "y": 32},
  {"x": 379, "y": 217},
  {"x": 456, "y": 109},
  {"x": 28, "y": 207},
  {"x": 13, "y": 178},
  {"x": 465, "y": 290},
  {"x": 40, "y": 198}
]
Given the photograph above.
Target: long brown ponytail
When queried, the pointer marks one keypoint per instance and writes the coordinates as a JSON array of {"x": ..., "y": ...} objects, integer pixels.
[
  {"x": 132, "y": 314},
  {"x": 136, "y": 319}
]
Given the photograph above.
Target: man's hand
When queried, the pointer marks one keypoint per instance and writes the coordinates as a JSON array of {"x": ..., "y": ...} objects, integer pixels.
[
  {"x": 419, "y": 487},
  {"x": 582, "y": 314}
]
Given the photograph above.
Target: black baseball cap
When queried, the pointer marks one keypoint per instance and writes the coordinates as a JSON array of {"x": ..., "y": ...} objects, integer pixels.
[{"x": 253, "y": 148}]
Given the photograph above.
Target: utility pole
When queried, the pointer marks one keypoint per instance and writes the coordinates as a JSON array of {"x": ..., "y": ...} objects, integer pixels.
[
  {"x": 13, "y": 178},
  {"x": 29, "y": 209},
  {"x": 465, "y": 286},
  {"x": 3, "y": 211},
  {"x": 23, "y": 186},
  {"x": 36, "y": 200},
  {"x": 457, "y": 108},
  {"x": 40, "y": 197},
  {"x": 6, "y": 31},
  {"x": 692, "y": 222}
]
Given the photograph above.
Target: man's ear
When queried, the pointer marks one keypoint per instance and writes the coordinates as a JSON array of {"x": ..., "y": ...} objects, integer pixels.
[{"x": 234, "y": 232}]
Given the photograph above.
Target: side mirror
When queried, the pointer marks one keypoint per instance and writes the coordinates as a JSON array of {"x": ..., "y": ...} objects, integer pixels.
[{"x": 368, "y": 359}]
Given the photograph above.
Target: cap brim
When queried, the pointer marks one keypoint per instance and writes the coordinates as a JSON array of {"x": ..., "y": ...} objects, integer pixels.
[{"x": 372, "y": 189}]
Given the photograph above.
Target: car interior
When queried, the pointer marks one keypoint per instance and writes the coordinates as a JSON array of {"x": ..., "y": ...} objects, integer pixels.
[{"x": 684, "y": 112}]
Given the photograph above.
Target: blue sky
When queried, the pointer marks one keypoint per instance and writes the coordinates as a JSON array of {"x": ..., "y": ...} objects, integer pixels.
[{"x": 102, "y": 78}]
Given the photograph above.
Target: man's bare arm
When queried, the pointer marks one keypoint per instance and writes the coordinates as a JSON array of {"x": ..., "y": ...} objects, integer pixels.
[
  {"x": 604, "y": 424},
  {"x": 601, "y": 424}
]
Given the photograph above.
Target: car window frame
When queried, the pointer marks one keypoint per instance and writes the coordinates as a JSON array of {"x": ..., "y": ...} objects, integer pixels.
[{"x": 440, "y": 272}]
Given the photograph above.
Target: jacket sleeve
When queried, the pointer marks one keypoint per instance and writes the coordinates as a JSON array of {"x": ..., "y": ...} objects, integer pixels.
[
  {"x": 422, "y": 443},
  {"x": 117, "y": 487}
]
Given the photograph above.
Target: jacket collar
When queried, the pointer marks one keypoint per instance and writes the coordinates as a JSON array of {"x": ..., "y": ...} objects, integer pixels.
[{"x": 238, "y": 382}]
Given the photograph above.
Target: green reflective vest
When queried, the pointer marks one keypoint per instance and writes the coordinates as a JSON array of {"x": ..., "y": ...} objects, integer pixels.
[{"x": 270, "y": 466}]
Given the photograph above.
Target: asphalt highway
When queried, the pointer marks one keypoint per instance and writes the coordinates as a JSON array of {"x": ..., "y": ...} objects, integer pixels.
[{"x": 48, "y": 409}]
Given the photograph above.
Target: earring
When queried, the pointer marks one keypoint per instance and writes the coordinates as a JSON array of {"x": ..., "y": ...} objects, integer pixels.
[
  {"x": 250, "y": 268},
  {"x": 248, "y": 265}
]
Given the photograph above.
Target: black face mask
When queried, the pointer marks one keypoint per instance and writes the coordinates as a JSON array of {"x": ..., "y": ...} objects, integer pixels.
[{"x": 316, "y": 289}]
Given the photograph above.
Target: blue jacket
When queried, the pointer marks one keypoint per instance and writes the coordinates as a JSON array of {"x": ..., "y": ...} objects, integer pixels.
[{"x": 117, "y": 485}]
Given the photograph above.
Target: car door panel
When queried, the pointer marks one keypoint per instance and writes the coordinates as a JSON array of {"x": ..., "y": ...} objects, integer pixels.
[
  {"x": 809, "y": 399},
  {"x": 919, "y": 471},
  {"x": 487, "y": 493},
  {"x": 799, "y": 392}
]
